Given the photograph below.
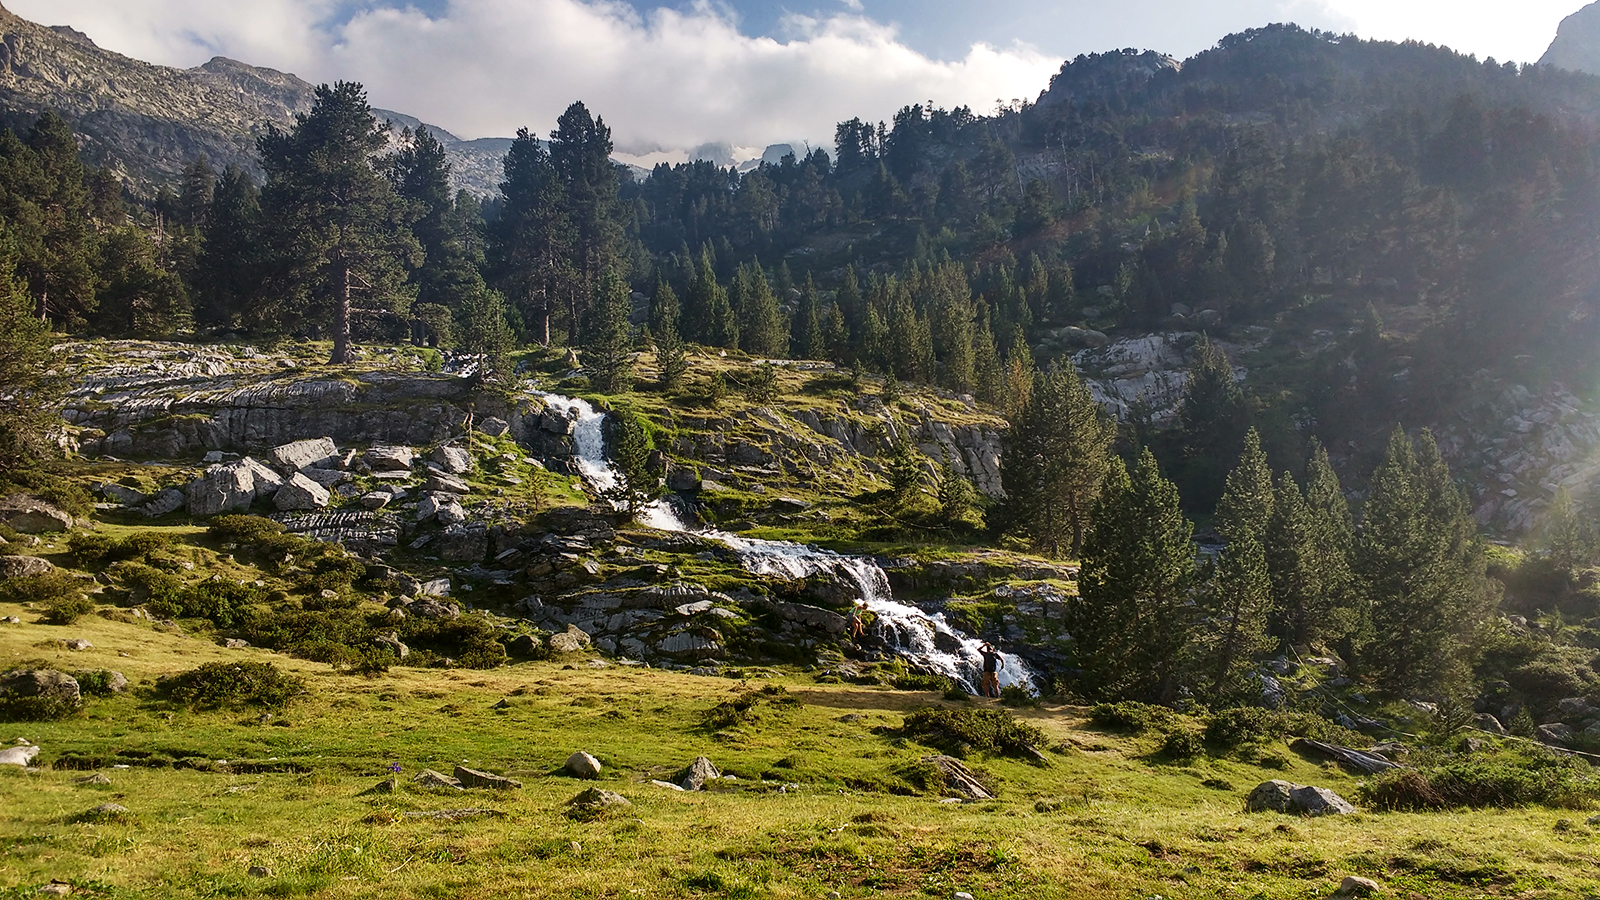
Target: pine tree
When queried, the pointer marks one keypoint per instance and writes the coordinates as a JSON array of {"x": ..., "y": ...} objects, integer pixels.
[
  {"x": 337, "y": 227},
  {"x": 707, "y": 314},
  {"x": 808, "y": 340},
  {"x": 955, "y": 494},
  {"x": 486, "y": 334},
  {"x": 1213, "y": 416},
  {"x": 1419, "y": 569},
  {"x": 530, "y": 244},
  {"x": 1568, "y": 540},
  {"x": 761, "y": 327},
  {"x": 1017, "y": 380},
  {"x": 1240, "y": 600},
  {"x": 904, "y": 469},
  {"x": 629, "y": 448},
  {"x": 580, "y": 157},
  {"x": 227, "y": 289},
  {"x": 46, "y": 207},
  {"x": 609, "y": 350},
  {"x": 28, "y": 388},
  {"x": 1300, "y": 602},
  {"x": 987, "y": 375},
  {"x": 451, "y": 269},
  {"x": 1056, "y": 455},
  {"x": 1131, "y": 619},
  {"x": 671, "y": 360}
]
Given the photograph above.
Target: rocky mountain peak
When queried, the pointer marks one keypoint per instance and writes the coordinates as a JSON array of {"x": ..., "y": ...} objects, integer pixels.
[
  {"x": 1099, "y": 74},
  {"x": 1577, "y": 42}
]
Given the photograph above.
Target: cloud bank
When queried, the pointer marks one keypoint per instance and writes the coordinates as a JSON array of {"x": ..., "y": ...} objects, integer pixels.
[{"x": 669, "y": 79}]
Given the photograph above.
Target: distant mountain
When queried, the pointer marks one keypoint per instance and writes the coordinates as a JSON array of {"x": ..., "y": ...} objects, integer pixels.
[
  {"x": 146, "y": 122},
  {"x": 1577, "y": 43}
]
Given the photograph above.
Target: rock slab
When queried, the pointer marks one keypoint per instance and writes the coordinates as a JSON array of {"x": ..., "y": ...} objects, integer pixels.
[
  {"x": 23, "y": 566},
  {"x": 582, "y": 765},
  {"x": 473, "y": 778},
  {"x": 300, "y": 493},
  {"x": 1286, "y": 797}
]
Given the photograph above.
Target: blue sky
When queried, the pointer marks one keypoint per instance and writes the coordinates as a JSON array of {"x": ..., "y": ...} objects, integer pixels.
[{"x": 676, "y": 75}]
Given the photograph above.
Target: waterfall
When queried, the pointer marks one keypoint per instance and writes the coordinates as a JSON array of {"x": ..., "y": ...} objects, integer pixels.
[{"x": 925, "y": 638}]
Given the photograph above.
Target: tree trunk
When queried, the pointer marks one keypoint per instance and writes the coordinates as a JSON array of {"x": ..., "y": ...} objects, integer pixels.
[
  {"x": 542, "y": 326},
  {"x": 341, "y": 321}
]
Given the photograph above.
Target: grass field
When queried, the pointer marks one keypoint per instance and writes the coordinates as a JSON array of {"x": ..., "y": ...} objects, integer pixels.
[{"x": 821, "y": 802}]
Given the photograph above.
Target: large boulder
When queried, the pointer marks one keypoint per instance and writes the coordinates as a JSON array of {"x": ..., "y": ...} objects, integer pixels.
[
  {"x": 582, "y": 765},
  {"x": 313, "y": 453},
  {"x": 594, "y": 802},
  {"x": 444, "y": 482},
  {"x": 267, "y": 478},
  {"x": 473, "y": 778},
  {"x": 698, "y": 774},
  {"x": 455, "y": 460},
  {"x": 573, "y": 640},
  {"x": 168, "y": 501},
  {"x": 300, "y": 493},
  {"x": 390, "y": 458},
  {"x": 494, "y": 426},
  {"x": 32, "y": 515},
  {"x": 1286, "y": 797},
  {"x": 1556, "y": 734},
  {"x": 23, "y": 566},
  {"x": 47, "y": 684},
  {"x": 21, "y": 755},
  {"x": 224, "y": 488}
]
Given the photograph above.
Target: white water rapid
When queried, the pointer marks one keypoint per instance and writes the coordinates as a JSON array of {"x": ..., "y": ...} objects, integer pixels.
[{"x": 922, "y": 637}]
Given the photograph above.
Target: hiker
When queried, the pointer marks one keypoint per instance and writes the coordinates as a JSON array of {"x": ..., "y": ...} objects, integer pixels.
[
  {"x": 993, "y": 662},
  {"x": 858, "y": 625}
]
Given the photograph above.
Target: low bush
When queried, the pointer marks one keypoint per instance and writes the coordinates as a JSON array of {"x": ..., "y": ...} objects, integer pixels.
[
  {"x": 1133, "y": 716},
  {"x": 917, "y": 681},
  {"x": 40, "y": 589},
  {"x": 66, "y": 609},
  {"x": 230, "y": 684},
  {"x": 217, "y": 600},
  {"x": 960, "y": 731},
  {"x": 35, "y": 709},
  {"x": 1234, "y": 729},
  {"x": 1182, "y": 743},
  {"x": 1503, "y": 781},
  {"x": 91, "y": 548},
  {"x": 239, "y": 529},
  {"x": 1018, "y": 697},
  {"x": 747, "y": 707},
  {"x": 94, "y": 682}
]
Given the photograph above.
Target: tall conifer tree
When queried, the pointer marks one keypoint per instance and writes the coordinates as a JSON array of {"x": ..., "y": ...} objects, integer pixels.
[{"x": 1056, "y": 455}]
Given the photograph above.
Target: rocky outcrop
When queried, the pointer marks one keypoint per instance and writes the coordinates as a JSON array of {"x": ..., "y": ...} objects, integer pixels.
[
  {"x": 45, "y": 684},
  {"x": 33, "y": 515},
  {"x": 23, "y": 566},
  {"x": 1283, "y": 796},
  {"x": 1577, "y": 42}
]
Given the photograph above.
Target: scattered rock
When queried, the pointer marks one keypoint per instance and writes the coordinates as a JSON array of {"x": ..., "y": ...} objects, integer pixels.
[
  {"x": 523, "y": 645},
  {"x": 18, "y": 756},
  {"x": 494, "y": 426},
  {"x": 55, "y": 889},
  {"x": 573, "y": 640},
  {"x": 33, "y": 515},
  {"x": 168, "y": 501},
  {"x": 23, "y": 566},
  {"x": 473, "y": 778},
  {"x": 318, "y": 453},
  {"x": 698, "y": 774},
  {"x": 117, "y": 683},
  {"x": 375, "y": 500},
  {"x": 1555, "y": 733},
  {"x": 96, "y": 778},
  {"x": 1356, "y": 886},
  {"x": 1283, "y": 796},
  {"x": 428, "y": 778},
  {"x": 46, "y": 683},
  {"x": 594, "y": 803},
  {"x": 959, "y": 778},
  {"x": 1487, "y": 722},
  {"x": 259, "y": 872},
  {"x": 235, "y": 643},
  {"x": 225, "y": 488},
  {"x": 103, "y": 812},
  {"x": 393, "y": 644},
  {"x": 432, "y": 608},
  {"x": 446, "y": 483},
  {"x": 390, "y": 458},
  {"x": 462, "y": 542},
  {"x": 300, "y": 493},
  {"x": 666, "y": 784},
  {"x": 582, "y": 765},
  {"x": 454, "y": 460},
  {"x": 78, "y": 644},
  {"x": 438, "y": 587},
  {"x": 387, "y": 786}
]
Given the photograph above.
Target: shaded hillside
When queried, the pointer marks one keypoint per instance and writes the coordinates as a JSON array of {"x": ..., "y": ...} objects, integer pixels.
[{"x": 146, "y": 122}]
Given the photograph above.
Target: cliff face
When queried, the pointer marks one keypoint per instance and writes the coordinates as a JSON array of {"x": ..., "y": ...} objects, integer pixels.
[
  {"x": 146, "y": 122},
  {"x": 1577, "y": 42}
]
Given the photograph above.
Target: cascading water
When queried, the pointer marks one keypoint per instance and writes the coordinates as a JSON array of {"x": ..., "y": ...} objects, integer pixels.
[{"x": 925, "y": 638}]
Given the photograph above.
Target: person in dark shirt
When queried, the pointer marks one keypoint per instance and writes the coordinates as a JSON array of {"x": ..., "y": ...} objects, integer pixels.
[{"x": 993, "y": 662}]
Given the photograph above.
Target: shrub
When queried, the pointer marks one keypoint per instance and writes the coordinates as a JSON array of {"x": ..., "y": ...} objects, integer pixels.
[
  {"x": 144, "y": 583},
  {"x": 35, "y": 709},
  {"x": 917, "y": 681},
  {"x": 1130, "y": 715},
  {"x": 745, "y": 708},
  {"x": 94, "y": 682},
  {"x": 231, "y": 683},
  {"x": 90, "y": 548},
  {"x": 216, "y": 600},
  {"x": 1017, "y": 696},
  {"x": 1181, "y": 743},
  {"x": 1234, "y": 728},
  {"x": 241, "y": 529},
  {"x": 67, "y": 608},
  {"x": 1508, "y": 780},
  {"x": 959, "y": 731},
  {"x": 40, "y": 588}
]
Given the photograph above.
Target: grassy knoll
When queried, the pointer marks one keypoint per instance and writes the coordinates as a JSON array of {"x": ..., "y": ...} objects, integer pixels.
[{"x": 1108, "y": 817}]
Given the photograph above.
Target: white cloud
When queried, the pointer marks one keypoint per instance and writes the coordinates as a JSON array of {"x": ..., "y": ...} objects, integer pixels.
[
  {"x": 667, "y": 80},
  {"x": 1515, "y": 32}
]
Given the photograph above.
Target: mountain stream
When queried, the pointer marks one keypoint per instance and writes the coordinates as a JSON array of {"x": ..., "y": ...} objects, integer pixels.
[{"x": 925, "y": 638}]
